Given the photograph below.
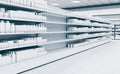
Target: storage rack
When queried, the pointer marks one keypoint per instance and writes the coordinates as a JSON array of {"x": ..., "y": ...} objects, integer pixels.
[
  {"x": 116, "y": 31},
  {"x": 96, "y": 32}
]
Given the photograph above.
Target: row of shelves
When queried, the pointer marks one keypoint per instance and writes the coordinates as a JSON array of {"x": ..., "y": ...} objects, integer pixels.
[
  {"x": 78, "y": 44},
  {"x": 19, "y": 14},
  {"x": 59, "y": 23},
  {"x": 28, "y": 4},
  {"x": 57, "y": 32},
  {"x": 39, "y": 41},
  {"x": 6, "y": 27},
  {"x": 116, "y": 31},
  {"x": 40, "y": 49},
  {"x": 10, "y": 57},
  {"x": 21, "y": 43},
  {"x": 53, "y": 56}
]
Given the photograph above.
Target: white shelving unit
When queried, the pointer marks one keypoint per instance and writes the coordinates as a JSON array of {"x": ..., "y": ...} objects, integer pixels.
[
  {"x": 116, "y": 31},
  {"x": 44, "y": 32},
  {"x": 52, "y": 56}
]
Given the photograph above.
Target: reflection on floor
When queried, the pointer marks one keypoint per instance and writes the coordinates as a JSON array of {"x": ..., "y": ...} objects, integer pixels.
[{"x": 101, "y": 60}]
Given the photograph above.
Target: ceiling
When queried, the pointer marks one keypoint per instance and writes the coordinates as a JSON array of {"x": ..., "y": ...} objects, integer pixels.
[
  {"x": 80, "y": 3},
  {"x": 112, "y": 14},
  {"x": 107, "y": 9},
  {"x": 111, "y": 17}
]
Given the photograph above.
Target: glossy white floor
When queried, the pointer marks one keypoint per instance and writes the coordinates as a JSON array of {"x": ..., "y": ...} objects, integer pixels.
[{"x": 101, "y": 60}]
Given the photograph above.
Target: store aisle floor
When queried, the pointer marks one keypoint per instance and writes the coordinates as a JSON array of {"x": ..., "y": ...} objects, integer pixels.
[{"x": 101, "y": 60}]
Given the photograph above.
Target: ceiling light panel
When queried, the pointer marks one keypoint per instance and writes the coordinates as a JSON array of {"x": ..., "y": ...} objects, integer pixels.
[
  {"x": 75, "y": 1},
  {"x": 55, "y": 4}
]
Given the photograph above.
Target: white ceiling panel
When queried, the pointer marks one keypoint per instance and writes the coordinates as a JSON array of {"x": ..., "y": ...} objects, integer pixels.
[
  {"x": 115, "y": 1},
  {"x": 96, "y": 2},
  {"x": 87, "y": 2},
  {"x": 100, "y": 12},
  {"x": 69, "y": 4},
  {"x": 105, "y": 1},
  {"x": 114, "y": 16},
  {"x": 65, "y": 3}
]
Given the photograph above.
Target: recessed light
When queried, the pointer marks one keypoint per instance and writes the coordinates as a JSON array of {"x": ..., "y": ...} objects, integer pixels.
[
  {"x": 55, "y": 4},
  {"x": 75, "y": 1}
]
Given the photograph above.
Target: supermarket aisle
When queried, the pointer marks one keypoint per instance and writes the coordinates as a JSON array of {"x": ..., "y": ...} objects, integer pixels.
[{"x": 101, "y": 60}]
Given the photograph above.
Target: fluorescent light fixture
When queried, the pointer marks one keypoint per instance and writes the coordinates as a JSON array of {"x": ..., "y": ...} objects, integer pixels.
[
  {"x": 76, "y": 1},
  {"x": 55, "y": 4}
]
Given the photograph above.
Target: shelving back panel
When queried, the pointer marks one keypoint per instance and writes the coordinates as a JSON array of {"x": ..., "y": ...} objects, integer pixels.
[{"x": 55, "y": 36}]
